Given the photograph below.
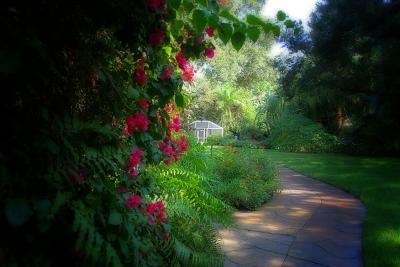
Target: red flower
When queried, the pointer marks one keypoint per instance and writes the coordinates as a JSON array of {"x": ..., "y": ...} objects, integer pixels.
[
  {"x": 167, "y": 161},
  {"x": 142, "y": 122},
  {"x": 156, "y": 4},
  {"x": 134, "y": 158},
  {"x": 169, "y": 71},
  {"x": 144, "y": 104},
  {"x": 168, "y": 151},
  {"x": 156, "y": 38},
  {"x": 181, "y": 59},
  {"x": 136, "y": 123},
  {"x": 209, "y": 52},
  {"x": 175, "y": 124},
  {"x": 133, "y": 201},
  {"x": 210, "y": 31},
  {"x": 188, "y": 74},
  {"x": 140, "y": 73}
]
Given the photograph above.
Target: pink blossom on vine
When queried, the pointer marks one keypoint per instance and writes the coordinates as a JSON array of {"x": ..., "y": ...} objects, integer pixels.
[
  {"x": 140, "y": 73},
  {"x": 209, "y": 52},
  {"x": 133, "y": 201},
  {"x": 169, "y": 71},
  {"x": 210, "y": 31},
  {"x": 144, "y": 104},
  {"x": 188, "y": 74},
  {"x": 136, "y": 123},
  {"x": 181, "y": 60}
]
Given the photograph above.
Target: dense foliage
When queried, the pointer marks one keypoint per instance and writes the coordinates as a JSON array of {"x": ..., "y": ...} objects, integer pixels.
[
  {"x": 247, "y": 178},
  {"x": 91, "y": 100},
  {"x": 293, "y": 132},
  {"x": 344, "y": 74}
]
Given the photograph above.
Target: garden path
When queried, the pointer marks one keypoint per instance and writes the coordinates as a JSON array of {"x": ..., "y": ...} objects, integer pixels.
[{"x": 308, "y": 224}]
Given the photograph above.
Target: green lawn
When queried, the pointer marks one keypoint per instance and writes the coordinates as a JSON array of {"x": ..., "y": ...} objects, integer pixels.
[{"x": 376, "y": 181}]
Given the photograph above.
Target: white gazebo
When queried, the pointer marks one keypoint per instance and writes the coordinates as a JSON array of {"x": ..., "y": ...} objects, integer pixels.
[{"x": 204, "y": 129}]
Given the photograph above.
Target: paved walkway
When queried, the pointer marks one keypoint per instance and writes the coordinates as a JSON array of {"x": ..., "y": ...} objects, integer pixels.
[{"x": 308, "y": 224}]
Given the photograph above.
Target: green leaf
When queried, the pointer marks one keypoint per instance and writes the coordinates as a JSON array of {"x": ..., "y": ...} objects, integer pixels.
[
  {"x": 272, "y": 28},
  {"x": 115, "y": 218},
  {"x": 181, "y": 100},
  {"x": 199, "y": 20},
  {"x": 188, "y": 5},
  {"x": 132, "y": 92},
  {"x": 254, "y": 20},
  {"x": 297, "y": 31},
  {"x": 228, "y": 15},
  {"x": 238, "y": 39},
  {"x": 253, "y": 33},
  {"x": 225, "y": 32},
  {"x": 174, "y": 3},
  {"x": 18, "y": 211},
  {"x": 203, "y": 3},
  {"x": 281, "y": 16},
  {"x": 289, "y": 23},
  {"x": 213, "y": 21}
]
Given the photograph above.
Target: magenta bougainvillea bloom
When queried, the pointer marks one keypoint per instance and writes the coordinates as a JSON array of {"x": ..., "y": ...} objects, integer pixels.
[
  {"x": 209, "y": 52},
  {"x": 133, "y": 201},
  {"x": 188, "y": 74},
  {"x": 144, "y": 104},
  {"x": 136, "y": 123},
  {"x": 175, "y": 124},
  {"x": 134, "y": 158},
  {"x": 210, "y": 31},
  {"x": 157, "y": 37},
  {"x": 169, "y": 71},
  {"x": 181, "y": 59},
  {"x": 140, "y": 73}
]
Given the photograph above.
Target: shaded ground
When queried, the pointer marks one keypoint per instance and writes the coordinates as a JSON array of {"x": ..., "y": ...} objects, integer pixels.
[{"x": 308, "y": 224}]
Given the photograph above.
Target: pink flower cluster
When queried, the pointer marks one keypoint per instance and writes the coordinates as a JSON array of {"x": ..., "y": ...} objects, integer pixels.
[
  {"x": 175, "y": 125},
  {"x": 136, "y": 123},
  {"x": 210, "y": 31},
  {"x": 187, "y": 70},
  {"x": 133, "y": 201},
  {"x": 156, "y": 211},
  {"x": 144, "y": 104},
  {"x": 168, "y": 72},
  {"x": 140, "y": 73},
  {"x": 133, "y": 162},
  {"x": 209, "y": 52},
  {"x": 173, "y": 148}
]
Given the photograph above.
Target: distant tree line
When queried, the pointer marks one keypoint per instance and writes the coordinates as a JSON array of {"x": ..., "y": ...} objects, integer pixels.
[{"x": 344, "y": 74}]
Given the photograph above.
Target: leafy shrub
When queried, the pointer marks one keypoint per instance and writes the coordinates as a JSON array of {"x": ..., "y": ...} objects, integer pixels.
[
  {"x": 294, "y": 132},
  {"x": 247, "y": 178},
  {"x": 187, "y": 188}
]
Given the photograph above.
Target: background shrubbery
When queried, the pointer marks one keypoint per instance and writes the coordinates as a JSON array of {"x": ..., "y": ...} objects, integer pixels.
[{"x": 293, "y": 132}]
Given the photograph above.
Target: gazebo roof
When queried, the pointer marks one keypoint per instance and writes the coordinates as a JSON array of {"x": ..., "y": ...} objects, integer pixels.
[{"x": 204, "y": 125}]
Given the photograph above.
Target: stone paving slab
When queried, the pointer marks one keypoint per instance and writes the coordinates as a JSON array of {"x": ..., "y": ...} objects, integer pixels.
[{"x": 307, "y": 224}]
